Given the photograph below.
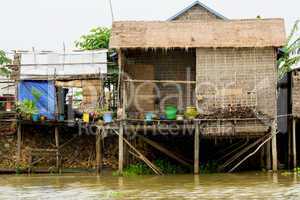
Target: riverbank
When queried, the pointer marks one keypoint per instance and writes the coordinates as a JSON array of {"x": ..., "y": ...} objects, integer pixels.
[{"x": 250, "y": 185}]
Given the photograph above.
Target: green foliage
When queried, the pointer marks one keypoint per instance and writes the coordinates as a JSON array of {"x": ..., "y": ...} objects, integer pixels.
[
  {"x": 27, "y": 108},
  {"x": 142, "y": 169},
  {"x": 286, "y": 62},
  {"x": 36, "y": 94},
  {"x": 210, "y": 167},
  {"x": 4, "y": 71},
  {"x": 97, "y": 38}
]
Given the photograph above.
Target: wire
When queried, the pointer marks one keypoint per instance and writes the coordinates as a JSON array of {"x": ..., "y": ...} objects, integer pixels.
[{"x": 111, "y": 10}]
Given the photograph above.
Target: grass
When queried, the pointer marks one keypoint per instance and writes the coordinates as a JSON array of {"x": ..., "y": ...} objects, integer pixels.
[{"x": 142, "y": 169}]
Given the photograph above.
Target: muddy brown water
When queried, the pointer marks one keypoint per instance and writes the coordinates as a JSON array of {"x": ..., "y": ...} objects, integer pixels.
[{"x": 207, "y": 186}]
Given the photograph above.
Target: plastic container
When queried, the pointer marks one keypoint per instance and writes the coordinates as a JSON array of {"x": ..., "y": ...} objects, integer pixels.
[
  {"x": 35, "y": 117},
  {"x": 86, "y": 117},
  {"x": 149, "y": 116},
  {"x": 61, "y": 117},
  {"x": 191, "y": 112},
  {"x": 171, "y": 112},
  {"x": 107, "y": 117}
]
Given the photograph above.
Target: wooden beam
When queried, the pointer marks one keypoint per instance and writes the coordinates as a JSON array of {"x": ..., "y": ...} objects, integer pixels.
[
  {"x": 268, "y": 155},
  {"x": 196, "y": 148},
  {"x": 19, "y": 140},
  {"x": 294, "y": 144},
  {"x": 58, "y": 163},
  {"x": 251, "y": 154},
  {"x": 164, "y": 150},
  {"x": 274, "y": 147},
  {"x": 262, "y": 157},
  {"x": 159, "y": 81},
  {"x": 139, "y": 155},
  {"x": 99, "y": 151},
  {"x": 121, "y": 148},
  {"x": 290, "y": 145}
]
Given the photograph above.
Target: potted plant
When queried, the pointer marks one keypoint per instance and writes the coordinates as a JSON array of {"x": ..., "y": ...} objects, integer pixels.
[{"x": 28, "y": 110}]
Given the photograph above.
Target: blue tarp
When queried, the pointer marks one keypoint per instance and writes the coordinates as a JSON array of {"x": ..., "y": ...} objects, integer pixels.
[{"x": 47, "y": 101}]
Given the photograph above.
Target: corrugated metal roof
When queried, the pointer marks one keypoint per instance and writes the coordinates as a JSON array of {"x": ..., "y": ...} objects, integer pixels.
[{"x": 62, "y": 64}]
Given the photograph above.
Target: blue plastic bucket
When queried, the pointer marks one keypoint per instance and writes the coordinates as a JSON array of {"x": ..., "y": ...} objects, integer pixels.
[
  {"x": 35, "y": 117},
  {"x": 107, "y": 117},
  {"x": 149, "y": 116},
  {"x": 61, "y": 118}
]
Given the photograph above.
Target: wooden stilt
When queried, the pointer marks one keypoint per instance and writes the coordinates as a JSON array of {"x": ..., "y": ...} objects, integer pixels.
[
  {"x": 289, "y": 147},
  {"x": 262, "y": 157},
  {"x": 196, "y": 149},
  {"x": 268, "y": 155},
  {"x": 99, "y": 151},
  {"x": 58, "y": 164},
  {"x": 121, "y": 148},
  {"x": 19, "y": 140},
  {"x": 274, "y": 148},
  {"x": 166, "y": 151},
  {"x": 125, "y": 149},
  {"x": 294, "y": 145}
]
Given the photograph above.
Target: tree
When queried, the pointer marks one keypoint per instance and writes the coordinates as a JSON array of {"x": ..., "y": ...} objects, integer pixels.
[
  {"x": 97, "y": 38},
  {"x": 4, "y": 60},
  {"x": 288, "y": 60}
]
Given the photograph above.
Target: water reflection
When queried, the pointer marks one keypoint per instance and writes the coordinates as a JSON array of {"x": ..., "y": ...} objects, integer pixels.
[{"x": 207, "y": 186}]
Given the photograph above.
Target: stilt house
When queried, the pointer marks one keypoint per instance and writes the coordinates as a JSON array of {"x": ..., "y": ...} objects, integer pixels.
[{"x": 226, "y": 68}]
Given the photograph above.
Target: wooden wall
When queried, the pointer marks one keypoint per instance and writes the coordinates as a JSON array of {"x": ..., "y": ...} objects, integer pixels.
[{"x": 167, "y": 65}]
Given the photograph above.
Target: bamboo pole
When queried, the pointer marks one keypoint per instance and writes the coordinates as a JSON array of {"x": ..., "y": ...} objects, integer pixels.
[
  {"x": 58, "y": 163},
  {"x": 290, "y": 145},
  {"x": 140, "y": 156},
  {"x": 251, "y": 154},
  {"x": 294, "y": 144},
  {"x": 240, "y": 153},
  {"x": 262, "y": 157},
  {"x": 268, "y": 155},
  {"x": 164, "y": 150},
  {"x": 99, "y": 151},
  {"x": 196, "y": 148},
  {"x": 19, "y": 138},
  {"x": 160, "y": 81},
  {"x": 274, "y": 148},
  {"x": 121, "y": 148}
]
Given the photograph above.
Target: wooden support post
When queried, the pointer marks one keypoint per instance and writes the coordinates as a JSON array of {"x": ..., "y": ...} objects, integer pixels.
[
  {"x": 294, "y": 145},
  {"x": 196, "y": 148},
  {"x": 121, "y": 147},
  {"x": 126, "y": 151},
  {"x": 19, "y": 140},
  {"x": 58, "y": 164},
  {"x": 99, "y": 151},
  {"x": 290, "y": 146},
  {"x": 274, "y": 147},
  {"x": 262, "y": 158},
  {"x": 268, "y": 155}
]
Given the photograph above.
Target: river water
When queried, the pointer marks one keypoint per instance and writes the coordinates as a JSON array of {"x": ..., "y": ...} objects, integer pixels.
[{"x": 207, "y": 186}]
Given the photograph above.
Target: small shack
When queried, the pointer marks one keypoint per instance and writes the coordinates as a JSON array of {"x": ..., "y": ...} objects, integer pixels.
[
  {"x": 56, "y": 91},
  {"x": 198, "y": 58}
]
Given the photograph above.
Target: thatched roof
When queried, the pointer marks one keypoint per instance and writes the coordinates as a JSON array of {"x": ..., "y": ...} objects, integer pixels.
[{"x": 177, "y": 34}]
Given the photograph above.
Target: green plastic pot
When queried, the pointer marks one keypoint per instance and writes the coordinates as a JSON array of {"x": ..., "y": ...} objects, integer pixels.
[{"x": 171, "y": 112}]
